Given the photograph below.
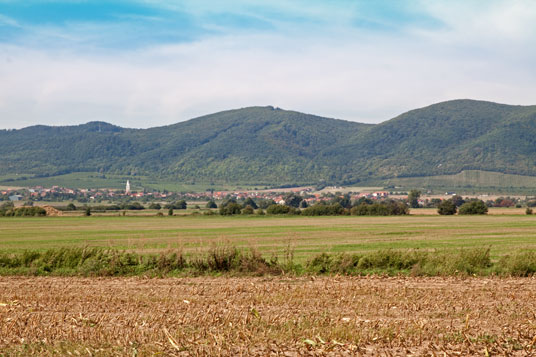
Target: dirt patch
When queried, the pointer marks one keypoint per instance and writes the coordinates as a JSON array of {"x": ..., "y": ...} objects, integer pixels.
[
  {"x": 268, "y": 316},
  {"x": 51, "y": 211}
]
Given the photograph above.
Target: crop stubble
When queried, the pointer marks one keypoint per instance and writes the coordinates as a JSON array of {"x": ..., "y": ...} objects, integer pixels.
[{"x": 267, "y": 316}]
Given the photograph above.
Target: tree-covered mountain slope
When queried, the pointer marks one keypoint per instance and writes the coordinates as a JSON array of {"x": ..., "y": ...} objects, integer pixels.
[
  {"x": 446, "y": 138},
  {"x": 258, "y": 144},
  {"x": 267, "y": 145}
]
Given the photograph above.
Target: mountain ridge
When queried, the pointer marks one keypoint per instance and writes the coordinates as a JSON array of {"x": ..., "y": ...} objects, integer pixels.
[{"x": 268, "y": 145}]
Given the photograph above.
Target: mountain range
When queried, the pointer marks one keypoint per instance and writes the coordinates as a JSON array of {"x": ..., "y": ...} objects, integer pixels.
[{"x": 271, "y": 146}]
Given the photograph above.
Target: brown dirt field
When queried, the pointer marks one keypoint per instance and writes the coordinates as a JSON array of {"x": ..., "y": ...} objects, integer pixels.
[{"x": 277, "y": 316}]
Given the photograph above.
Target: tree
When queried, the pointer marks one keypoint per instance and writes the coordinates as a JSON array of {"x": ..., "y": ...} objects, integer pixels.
[
  {"x": 458, "y": 200},
  {"x": 71, "y": 207},
  {"x": 293, "y": 200},
  {"x": 447, "y": 207},
  {"x": 250, "y": 202},
  {"x": 473, "y": 207},
  {"x": 211, "y": 204},
  {"x": 87, "y": 211},
  {"x": 265, "y": 203},
  {"x": 181, "y": 204},
  {"x": 278, "y": 209},
  {"x": 170, "y": 212},
  {"x": 155, "y": 206},
  {"x": 413, "y": 198},
  {"x": 230, "y": 208},
  {"x": 248, "y": 210}
]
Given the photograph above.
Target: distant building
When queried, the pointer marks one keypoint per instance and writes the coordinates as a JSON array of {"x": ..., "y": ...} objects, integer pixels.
[
  {"x": 127, "y": 188},
  {"x": 15, "y": 198}
]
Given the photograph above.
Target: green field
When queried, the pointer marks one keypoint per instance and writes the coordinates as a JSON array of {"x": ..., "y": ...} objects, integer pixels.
[
  {"x": 305, "y": 236},
  {"x": 97, "y": 180},
  {"x": 469, "y": 181}
]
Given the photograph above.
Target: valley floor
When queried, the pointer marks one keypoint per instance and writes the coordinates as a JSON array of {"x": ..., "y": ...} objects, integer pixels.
[{"x": 267, "y": 316}]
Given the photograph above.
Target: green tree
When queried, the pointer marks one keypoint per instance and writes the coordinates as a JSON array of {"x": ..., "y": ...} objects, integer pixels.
[
  {"x": 170, "y": 211},
  {"x": 473, "y": 207},
  {"x": 250, "y": 202},
  {"x": 293, "y": 200},
  {"x": 248, "y": 210},
  {"x": 446, "y": 207},
  {"x": 458, "y": 200},
  {"x": 230, "y": 209},
  {"x": 155, "y": 206},
  {"x": 87, "y": 211},
  {"x": 413, "y": 198},
  {"x": 71, "y": 207},
  {"x": 211, "y": 204},
  {"x": 278, "y": 209}
]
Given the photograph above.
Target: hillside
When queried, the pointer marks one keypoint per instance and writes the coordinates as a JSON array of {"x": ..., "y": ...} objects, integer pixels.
[
  {"x": 270, "y": 146},
  {"x": 258, "y": 144}
]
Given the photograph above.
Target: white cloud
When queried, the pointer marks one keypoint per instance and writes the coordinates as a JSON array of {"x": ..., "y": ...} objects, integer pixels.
[{"x": 346, "y": 72}]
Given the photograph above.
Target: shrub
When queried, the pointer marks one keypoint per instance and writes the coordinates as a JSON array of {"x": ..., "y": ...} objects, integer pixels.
[
  {"x": 389, "y": 208},
  {"x": 278, "y": 209},
  {"x": 230, "y": 208},
  {"x": 473, "y": 207},
  {"x": 528, "y": 211},
  {"x": 323, "y": 210},
  {"x": 248, "y": 210},
  {"x": 211, "y": 204},
  {"x": 447, "y": 207}
]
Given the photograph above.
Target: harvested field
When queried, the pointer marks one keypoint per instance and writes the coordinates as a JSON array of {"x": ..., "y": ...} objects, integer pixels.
[{"x": 267, "y": 316}]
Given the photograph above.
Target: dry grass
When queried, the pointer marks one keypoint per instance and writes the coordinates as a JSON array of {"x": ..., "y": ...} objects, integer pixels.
[{"x": 267, "y": 316}]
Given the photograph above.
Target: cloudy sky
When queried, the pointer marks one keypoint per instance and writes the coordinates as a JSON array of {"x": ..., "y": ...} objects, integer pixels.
[{"x": 150, "y": 62}]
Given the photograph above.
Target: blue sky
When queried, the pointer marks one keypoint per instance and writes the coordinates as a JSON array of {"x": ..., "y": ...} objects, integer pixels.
[{"x": 149, "y": 63}]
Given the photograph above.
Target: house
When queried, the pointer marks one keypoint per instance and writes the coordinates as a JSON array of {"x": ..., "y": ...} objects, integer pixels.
[{"x": 15, "y": 198}]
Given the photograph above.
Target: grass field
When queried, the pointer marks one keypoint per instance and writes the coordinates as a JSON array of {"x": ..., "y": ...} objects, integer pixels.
[
  {"x": 470, "y": 181},
  {"x": 305, "y": 236},
  {"x": 270, "y": 316},
  {"x": 98, "y": 180}
]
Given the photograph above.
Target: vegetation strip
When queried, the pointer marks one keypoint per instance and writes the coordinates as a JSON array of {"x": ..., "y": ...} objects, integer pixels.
[{"x": 229, "y": 259}]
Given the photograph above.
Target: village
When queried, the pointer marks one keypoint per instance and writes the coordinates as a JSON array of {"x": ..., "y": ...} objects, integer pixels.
[{"x": 62, "y": 194}]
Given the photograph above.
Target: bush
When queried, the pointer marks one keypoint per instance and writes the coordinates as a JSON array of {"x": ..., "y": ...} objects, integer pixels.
[
  {"x": 389, "y": 208},
  {"x": 248, "y": 210},
  {"x": 211, "y": 204},
  {"x": 155, "y": 206},
  {"x": 230, "y": 209},
  {"x": 177, "y": 205},
  {"x": 528, "y": 211},
  {"x": 323, "y": 210},
  {"x": 29, "y": 212},
  {"x": 135, "y": 206},
  {"x": 473, "y": 207},
  {"x": 447, "y": 207},
  {"x": 278, "y": 209}
]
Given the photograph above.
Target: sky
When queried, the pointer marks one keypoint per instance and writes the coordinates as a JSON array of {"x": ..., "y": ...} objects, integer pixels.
[{"x": 145, "y": 63}]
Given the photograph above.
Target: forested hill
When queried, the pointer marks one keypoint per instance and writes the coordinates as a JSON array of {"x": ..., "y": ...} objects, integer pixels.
[{"x": 266, "y": 145}]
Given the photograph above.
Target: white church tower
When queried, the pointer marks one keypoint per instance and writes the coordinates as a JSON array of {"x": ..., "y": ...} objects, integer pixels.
[{"x": 127, "y": 188}]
